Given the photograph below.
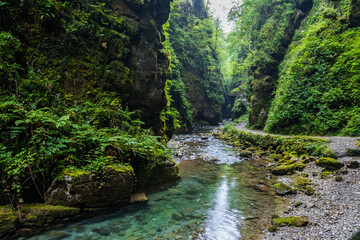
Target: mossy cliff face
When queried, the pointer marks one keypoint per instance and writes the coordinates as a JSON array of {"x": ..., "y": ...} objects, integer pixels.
[
  {"x": 318, "y": 81},
  {"x": 194, "y": 37},
  {"x": 82, "y": 48}
]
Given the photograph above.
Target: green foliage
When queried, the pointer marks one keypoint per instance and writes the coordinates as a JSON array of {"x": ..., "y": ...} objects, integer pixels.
[
  {"x": 39, "y": 143},
  {"x": 263, "y": 30},
  {"x": 65, "y": 79},
  {"x": 194, "y": 40},
  {"x": 319, "y": 86}
]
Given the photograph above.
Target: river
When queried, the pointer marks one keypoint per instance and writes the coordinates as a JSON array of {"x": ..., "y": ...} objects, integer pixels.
[{"x": 220, "y": 197}]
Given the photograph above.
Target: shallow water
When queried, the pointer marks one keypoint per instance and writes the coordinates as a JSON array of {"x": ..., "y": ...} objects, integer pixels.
[{"x": 220, "y": 197}]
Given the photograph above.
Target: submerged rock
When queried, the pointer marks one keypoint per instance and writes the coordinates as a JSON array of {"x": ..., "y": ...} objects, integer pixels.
[
  {"x": 138, "y": 197},
  {"x": 82, "y": 189}
]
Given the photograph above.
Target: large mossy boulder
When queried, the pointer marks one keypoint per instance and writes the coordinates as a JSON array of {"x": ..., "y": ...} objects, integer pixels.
[
  {"x": 39, "y": 215},
  {"x": 329, "y": 163},
  {"x": 9, "y": 221},
  {"x": 75, "y": 188}
]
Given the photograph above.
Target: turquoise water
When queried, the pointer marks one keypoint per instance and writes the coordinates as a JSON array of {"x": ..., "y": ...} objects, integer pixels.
[{"x": 220, "y": 197}]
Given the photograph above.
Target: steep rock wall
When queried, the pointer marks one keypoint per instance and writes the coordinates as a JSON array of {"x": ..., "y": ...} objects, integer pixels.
[{"x": 84, "y": 48}]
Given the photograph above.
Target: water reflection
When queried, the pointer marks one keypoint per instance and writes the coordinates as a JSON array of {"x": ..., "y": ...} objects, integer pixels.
[{"x": 223, "y": 222}]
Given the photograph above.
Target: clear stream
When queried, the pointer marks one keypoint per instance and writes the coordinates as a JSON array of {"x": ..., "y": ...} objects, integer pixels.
[{"x": 220, "y": 197}]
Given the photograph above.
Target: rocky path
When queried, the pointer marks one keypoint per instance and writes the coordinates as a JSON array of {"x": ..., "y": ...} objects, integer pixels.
[
  {"x": 334, "y": 209},
  {"x": 337, "y": 144}
]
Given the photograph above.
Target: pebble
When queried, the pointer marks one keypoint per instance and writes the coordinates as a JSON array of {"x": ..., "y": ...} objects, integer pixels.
[{"x": 333, "y": 213}]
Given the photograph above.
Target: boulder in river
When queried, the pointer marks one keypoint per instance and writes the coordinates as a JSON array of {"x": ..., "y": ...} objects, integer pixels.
[{"x": 75, "y": 188}]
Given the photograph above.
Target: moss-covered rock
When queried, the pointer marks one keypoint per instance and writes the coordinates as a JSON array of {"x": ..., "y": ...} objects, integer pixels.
[
  {"x": 273, "y": 228},
  {"x": 309, "y": 190},
  {"x": 353, "y": 164},
  {"x": 302, "y": 182},
  {"x": 283, "y": 169},
  {"x": 290, "y": 221},
  {"x": 9, "y": 221},
  {"x": 76, "y": 188},
  {"x": 353, "y": 152},
  {"x": 329, "y": 163},
  {"x": 38, "y": 215},
  {"x": 325, "y": 174},
  {"x": 245, "y": 153},
  {"x": 283, "y": 189}
]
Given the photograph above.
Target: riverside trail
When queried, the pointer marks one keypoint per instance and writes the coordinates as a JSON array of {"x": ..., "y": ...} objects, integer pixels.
[{"x": 334, "y": 209}]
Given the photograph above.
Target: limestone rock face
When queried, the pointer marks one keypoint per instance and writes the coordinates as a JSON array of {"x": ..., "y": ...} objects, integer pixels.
[
  {"x": 148, "y": 60},
  {"x": 83, "y": 189},
  {"x": 161, "y": 174}
]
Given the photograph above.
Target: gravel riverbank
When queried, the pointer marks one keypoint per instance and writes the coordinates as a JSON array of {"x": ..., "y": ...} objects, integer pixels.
[{"x": 334, "y": 209}]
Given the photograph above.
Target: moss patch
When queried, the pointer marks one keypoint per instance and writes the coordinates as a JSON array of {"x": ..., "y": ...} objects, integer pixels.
[
  {"x": 283, "y": 189},
  {"x": 290, "y": 221},
  {"x": 326, "y": 174}
]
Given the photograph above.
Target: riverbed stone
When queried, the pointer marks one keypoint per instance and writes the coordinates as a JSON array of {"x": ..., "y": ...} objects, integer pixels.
[
  {"x": 57, "y": 235},
  {"x": 138, "y": 197},
  {"x": 352, "y": 164},
  {"x": 76, "y": 188},
  {"x": 353, "y": 152},
  {"x": 329, "y": 163},
  {"x": 177, "y": 217},
  {"x": 9, "y": 221}
]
